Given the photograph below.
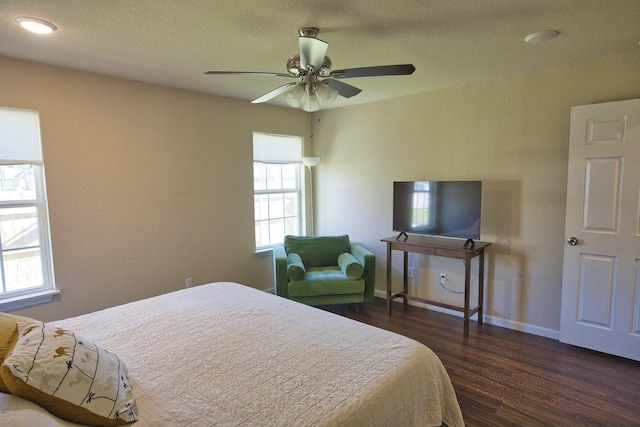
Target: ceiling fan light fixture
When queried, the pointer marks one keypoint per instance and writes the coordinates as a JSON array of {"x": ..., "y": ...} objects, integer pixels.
[
  {"x": 326, "y": 94},
  {"x": 294, "y": 96},
  {"x": 35, "y": 25},
  {"x": 311, "y": 103}
]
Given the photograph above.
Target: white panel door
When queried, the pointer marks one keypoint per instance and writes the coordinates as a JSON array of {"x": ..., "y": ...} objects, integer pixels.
[{"x": 601, "y": 277}]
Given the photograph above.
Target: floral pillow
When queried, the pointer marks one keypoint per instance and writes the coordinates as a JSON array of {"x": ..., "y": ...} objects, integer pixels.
[{"x": 69, "y": 376}]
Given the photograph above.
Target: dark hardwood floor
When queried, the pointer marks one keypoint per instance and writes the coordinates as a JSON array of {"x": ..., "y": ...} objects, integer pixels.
[{"x": 504, "y": 377}]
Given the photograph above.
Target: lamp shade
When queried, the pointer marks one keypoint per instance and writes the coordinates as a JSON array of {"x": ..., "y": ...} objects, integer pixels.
[
  {"x": 294, "y": 96},
  {"x": 326, "y": 94},
  {"x": 311, "y": 103},
  {"x": 311, "y": 161}
]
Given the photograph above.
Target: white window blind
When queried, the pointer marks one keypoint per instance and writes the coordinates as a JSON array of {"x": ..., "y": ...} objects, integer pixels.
[
  {"x": 276, "y": 148},
  {"x": 20, "y": 136}
]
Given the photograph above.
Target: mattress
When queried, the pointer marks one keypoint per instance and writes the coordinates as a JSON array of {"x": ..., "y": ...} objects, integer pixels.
[{"x": 224, "y": 354}]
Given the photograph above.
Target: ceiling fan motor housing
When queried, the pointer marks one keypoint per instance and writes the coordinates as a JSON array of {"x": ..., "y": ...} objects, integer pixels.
[{"x": 295, "y": 69}]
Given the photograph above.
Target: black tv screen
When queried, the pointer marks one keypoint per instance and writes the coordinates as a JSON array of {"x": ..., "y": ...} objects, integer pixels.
[{"x": 438, "y": 208}]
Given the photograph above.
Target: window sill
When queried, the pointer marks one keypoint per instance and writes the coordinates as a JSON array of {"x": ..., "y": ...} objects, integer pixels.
[
  {"x": 27, "y": 300},
  {"x": 262, "y": 253}
]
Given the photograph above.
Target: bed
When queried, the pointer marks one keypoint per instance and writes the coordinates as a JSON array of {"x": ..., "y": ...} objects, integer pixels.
[{"x": 227, "y": 354}]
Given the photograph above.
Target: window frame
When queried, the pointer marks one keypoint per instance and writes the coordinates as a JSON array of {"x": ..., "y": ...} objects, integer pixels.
[
  {"x": 298, "y": 188},
  {"x": 43, "y": 292}
]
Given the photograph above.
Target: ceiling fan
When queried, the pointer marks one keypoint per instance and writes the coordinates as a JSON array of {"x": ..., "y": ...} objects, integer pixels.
[{"x": 317, "y": 84}]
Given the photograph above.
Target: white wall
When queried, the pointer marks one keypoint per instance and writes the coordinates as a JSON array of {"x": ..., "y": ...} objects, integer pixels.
[
  {"x": 510, "y": 133},
  {"x": 147, "y": 185}
]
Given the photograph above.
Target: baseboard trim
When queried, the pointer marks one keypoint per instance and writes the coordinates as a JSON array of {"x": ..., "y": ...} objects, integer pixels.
[{"x": 492, "y": 320}]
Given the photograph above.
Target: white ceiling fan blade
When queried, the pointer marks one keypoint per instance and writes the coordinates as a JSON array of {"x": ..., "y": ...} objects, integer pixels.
[
  {"x": 272, "y": 94},
  {"x": 312, "y": 52}
]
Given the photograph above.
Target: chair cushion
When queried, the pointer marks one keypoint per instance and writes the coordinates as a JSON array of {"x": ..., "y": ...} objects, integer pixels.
[
  {"x": 318, "y": 251},
  {"x": 350, "y": 266},
  {"x": 325, "y": 281},
  {"x": 295, "y": 267}
]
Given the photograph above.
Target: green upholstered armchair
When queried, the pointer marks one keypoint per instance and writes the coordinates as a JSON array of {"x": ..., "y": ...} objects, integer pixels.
[{"x": 324, "y": 270}]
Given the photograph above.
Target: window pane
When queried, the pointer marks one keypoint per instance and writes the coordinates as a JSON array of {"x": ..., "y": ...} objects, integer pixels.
[
  {"x": 276, "y": 230},
  {"x": 290, "y": 204},
  {"x": 291, "y": 226},
  {"x": 259, "y": 177},
  {"x": 276, "y": 205},
  {"x": 262, "y": 233},
  {"x": 19, "y": 228},
  {"x": 290, "y": 176},
  {"x": 261, "y": 206},
  {"x": 274, "y": 177},
  {"x": 22, "y": 269},
  {"x": 17, "y": 182}
]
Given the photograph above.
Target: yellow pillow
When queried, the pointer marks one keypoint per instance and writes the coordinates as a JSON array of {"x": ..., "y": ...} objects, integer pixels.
[
  {"x": 7, "y": 327},
  {"x": 69, "y": 376}
]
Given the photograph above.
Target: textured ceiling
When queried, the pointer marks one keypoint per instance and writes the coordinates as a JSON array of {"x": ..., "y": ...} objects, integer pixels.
[{"x": 451, "y": 42}]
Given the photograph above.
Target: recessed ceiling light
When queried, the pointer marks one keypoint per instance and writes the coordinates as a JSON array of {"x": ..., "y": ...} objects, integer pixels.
[
  {"x": 542, "y": 36},
  {"x": 36, "y": 25}
]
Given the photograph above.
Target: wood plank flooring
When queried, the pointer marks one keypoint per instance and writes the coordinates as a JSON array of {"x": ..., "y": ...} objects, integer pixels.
[{"x": 509, "y": 378}]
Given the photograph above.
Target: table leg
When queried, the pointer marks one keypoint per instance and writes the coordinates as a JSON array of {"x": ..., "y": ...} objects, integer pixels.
[
  {"x": 389, "y": 278},
  {"x": 467, "y": 285},
  {"x": 480, "y": 287},
  {"x": 405, "y": 280}
]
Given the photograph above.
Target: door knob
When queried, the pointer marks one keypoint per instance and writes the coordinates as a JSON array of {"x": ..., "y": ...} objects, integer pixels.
[{"x": 572, "y": 241}]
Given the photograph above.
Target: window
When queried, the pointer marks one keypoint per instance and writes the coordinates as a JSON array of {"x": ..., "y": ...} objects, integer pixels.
[
  {"x": 277, "y": 191},
  {"x": 26, "y": 268}
]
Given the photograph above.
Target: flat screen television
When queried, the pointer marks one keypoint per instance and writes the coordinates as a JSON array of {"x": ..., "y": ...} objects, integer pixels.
[{"x": 438, "y": 208}]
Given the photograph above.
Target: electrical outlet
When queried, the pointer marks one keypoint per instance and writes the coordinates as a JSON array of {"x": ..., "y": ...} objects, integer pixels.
[
  {"x": 443, "y": 278},
  {"x": 410, "y": 272},
  {"x": 189, "y": 282}
]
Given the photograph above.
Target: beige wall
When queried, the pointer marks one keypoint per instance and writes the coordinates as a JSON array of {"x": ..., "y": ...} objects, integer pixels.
[
  {"x": 147, "y": 185},
  {"x": 510, "y": 133},
  {"x": 150, "y": 185}
]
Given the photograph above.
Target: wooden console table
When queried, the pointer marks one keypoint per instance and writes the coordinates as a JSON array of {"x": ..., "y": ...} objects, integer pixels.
[{"x": 450, "y": 248}]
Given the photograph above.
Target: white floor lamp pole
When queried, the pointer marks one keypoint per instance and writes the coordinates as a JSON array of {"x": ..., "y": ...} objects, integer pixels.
[{"x": 310, "y": 162}]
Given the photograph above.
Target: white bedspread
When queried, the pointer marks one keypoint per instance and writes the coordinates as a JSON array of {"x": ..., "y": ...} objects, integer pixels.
[{"x": 229, "y": 355}]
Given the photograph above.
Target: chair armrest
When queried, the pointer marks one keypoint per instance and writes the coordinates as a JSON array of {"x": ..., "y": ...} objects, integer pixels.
[
  {"x": 368, "y": 260},
  {"x": 280, "y": 280}
]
